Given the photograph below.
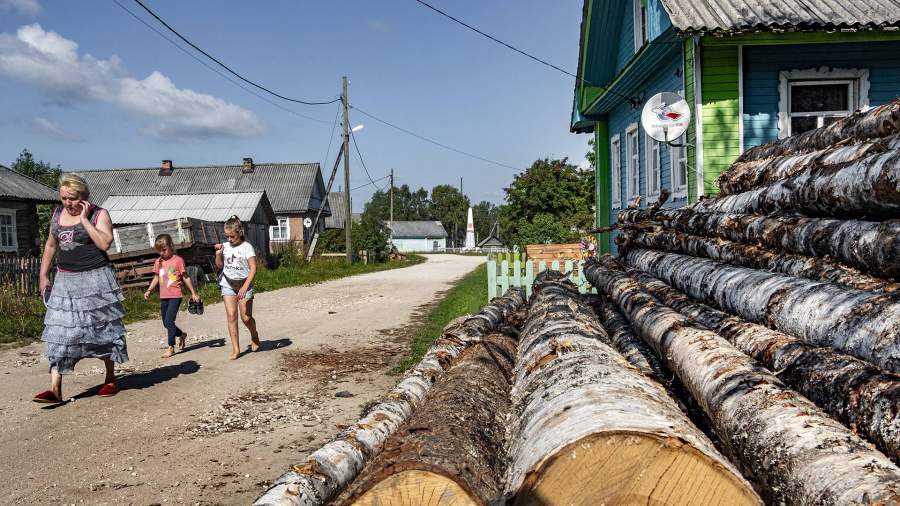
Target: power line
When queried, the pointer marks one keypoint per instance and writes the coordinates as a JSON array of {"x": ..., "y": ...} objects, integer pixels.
[
  {"x": 358, "y": 154},
  {"x": 523, "y": 53},
  {"x": 367, "y": 184},
  {"x": 432, "y": 141},
  {"x": 226, "y": 67},
  {"x": 331, "y": 139},
  {"x": 213, "y": 69}
]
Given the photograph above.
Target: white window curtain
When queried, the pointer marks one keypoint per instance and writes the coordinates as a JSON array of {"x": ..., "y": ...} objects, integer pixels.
[
  {"x": 8, "y": 240},
  {"x": 654, "y": 173},
  {"x": 632, "y": 161},
  {"x": 281, "y": 231}
]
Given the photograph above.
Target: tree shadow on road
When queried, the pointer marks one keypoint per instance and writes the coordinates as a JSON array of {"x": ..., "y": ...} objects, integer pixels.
[{"x": 141, "y": 380}]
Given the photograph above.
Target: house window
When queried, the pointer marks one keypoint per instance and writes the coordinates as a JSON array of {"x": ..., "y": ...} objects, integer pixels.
[
  {"x": 632, "y": 161},
  {"x": 653, "y": 166},
  {"x": 678, "y": 166},
  {"x": 810, "y": 99},
  {"x": 8, "y": 241},
  {"x": 281, "y": 231},
  {"x": 640, "y": 24},
  {"x": 615, "y": 167}
]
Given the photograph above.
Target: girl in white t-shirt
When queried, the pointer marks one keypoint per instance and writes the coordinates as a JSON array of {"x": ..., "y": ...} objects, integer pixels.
[{"x": 237, "y": 260}]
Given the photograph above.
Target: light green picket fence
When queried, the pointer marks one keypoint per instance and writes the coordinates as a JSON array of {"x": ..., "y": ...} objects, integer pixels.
[{"x": 506, "y": 270}]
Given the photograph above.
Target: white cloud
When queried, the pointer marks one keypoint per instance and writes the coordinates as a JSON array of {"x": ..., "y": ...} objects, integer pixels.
[
  {"x": 52, "y": 64},
  {"x": 46, "y": 126},
  {"x": 26, "y": 7}
]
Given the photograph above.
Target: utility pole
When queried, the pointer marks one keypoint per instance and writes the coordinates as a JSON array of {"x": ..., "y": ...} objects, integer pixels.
[
  {"x": 347, "y": 222},
  {"x": 391, "y": 222}
]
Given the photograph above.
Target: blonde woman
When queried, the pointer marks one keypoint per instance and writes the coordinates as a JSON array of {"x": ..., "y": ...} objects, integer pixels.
[
  {"x": 84, "y": 306},
  {"x": 237, "y": 259}
]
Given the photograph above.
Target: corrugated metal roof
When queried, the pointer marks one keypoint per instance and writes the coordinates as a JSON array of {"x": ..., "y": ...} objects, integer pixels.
[
  {"x": 723, "y": 16},
  {"x": 288, "y": 186},
  {"x": 417, "y": 229},
  {"x": 338, "y": 213},
  {"x": 216, "y": 207},
  {"x": 19, "y": 187}
]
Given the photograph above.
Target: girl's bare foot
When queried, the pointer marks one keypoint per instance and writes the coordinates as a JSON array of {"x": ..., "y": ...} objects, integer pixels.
[
  {"x": 234, "y": 355},
  {"x": 254, "y": 344},
  {"x": 181, "y": 339},
  {"x": 170, "y": 352}
]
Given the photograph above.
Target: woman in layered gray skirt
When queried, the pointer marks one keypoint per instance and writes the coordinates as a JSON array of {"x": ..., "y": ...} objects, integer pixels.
[{"x": 84, "y": 307}]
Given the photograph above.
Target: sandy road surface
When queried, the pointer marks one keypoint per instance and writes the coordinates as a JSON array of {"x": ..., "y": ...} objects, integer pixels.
[{"x": 198, "y": 428}]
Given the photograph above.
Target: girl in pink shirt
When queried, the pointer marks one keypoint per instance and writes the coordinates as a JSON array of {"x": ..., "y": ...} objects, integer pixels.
[{"x": 170, "y": 270}]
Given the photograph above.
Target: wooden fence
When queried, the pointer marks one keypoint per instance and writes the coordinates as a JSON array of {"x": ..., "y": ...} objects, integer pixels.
[
  {"x": 21, "y": 274},
  {"x": 508, "y": 270}
]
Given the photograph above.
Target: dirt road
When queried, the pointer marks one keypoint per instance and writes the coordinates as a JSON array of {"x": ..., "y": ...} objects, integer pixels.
[{"x": 198, "y": 428}]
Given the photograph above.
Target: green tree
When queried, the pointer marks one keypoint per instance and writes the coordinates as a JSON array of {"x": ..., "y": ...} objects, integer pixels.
[
  {"x": 543, "y": 229},
  {"x": 41, "y": 171},
  {"x": 408, "y": 205},
  {"x": 451, "y": 208},
  {"x": 553, "y": 188},
  {"x": 485, "y": 215},
  {"x": 370, "y": 235}
]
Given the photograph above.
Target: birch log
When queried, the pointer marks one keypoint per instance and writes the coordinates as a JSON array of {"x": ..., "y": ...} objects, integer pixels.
[
  {"x": 758, "y": 257},
  {"x": 744, "y": 176},
  {"x": 863, "y": 188},
  {"x": 635, "y": 351},
  {"x": 856, "y": 393},
  {"x": 873, "y": 247},
  {"x": 877, "y": 122},
  {"x": 588, "y": 428},
  {"x": 797, "y": 453},
  {"x": 863, "y": 324},
  {"x": 328, "y": 470},
  {"x": 451, "y": 450}
]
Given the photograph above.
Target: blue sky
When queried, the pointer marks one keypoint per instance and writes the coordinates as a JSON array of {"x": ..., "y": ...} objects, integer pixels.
[{"x": 85, "y": 85}]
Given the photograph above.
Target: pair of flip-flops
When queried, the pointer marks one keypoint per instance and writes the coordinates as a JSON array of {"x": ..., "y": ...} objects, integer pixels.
[
  {"x": 195, "y": 307},
  {"x": 49, "y": 397}
]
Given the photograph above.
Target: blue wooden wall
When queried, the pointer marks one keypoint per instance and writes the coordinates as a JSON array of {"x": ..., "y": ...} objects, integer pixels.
[
  {"x": 761, "y": 65},
  {"x": 626, "y": 37},
  {"x": 668, "y": 77}
]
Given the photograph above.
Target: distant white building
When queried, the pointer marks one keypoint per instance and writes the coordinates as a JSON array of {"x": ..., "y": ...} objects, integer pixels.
[{"x": 418, "y": 236}]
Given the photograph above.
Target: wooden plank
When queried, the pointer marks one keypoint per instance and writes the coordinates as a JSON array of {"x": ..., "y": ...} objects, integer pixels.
[
  {"x": 492, "y": 277},
  {"x": 529, "y": 278},
  {"x": 504, "y": 275},
  {"x": 517, "y": 272},
  {"x": 555, "y": 265},
  {"x": 554, "y": 251}
]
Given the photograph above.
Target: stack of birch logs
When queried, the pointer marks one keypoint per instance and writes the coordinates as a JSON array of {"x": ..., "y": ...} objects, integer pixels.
[{"x": 776, "y": 307}]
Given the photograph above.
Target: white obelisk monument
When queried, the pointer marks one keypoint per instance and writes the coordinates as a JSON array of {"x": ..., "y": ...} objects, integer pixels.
[{"x": 470, "y": 233}]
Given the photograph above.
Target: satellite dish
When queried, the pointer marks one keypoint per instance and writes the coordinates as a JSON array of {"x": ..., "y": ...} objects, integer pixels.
[
  {"x": 666, "y": 116},
  {"x": 307, "y": 222}
]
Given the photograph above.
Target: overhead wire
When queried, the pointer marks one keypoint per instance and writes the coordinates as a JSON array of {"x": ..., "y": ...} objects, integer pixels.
[
  {"x": 432, "y": 141},
  {"x": 213, "y": 69},
  {"x": 367, "y": 184},
  {"x": 331, "y": 139},
  {"x": 226, "y": 67},
  {"x": 523, "y": 53},
  {"x": 361, "y": 161}
]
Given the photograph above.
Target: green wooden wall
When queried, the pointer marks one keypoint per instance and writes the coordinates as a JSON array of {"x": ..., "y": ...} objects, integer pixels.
[
  {"x": 603, "y": 204},
  {"x": 690, "y": 95},
  {"x": 719, "y": 90}
]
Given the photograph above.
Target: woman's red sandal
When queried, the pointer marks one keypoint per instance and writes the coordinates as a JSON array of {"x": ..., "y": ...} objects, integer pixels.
[
  {"x": 47, "y": 397},
  {"x": 108, "y": 390}
]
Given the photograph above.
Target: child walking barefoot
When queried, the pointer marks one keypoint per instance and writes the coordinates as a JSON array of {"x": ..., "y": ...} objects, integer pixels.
[
  {"x": 237, "y": 259},
  {"x": 170, "y": 270}
]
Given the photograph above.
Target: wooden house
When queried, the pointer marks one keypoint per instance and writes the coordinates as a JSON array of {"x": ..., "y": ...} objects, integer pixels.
[
  {"x": 19, "y": 197},
  {"x": 296, "y": 190},
  {"x": 752, "y": 72}
]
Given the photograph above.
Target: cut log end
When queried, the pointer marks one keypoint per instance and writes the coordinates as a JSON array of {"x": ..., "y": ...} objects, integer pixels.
[
  {"x": 416, "y": 488},
  {"x": 632, "y": 468}
]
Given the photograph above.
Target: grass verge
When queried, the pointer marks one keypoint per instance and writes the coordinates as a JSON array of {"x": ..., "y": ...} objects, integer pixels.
[
  {"x": 21, "y": 318},
  {"x": 469, "y": 295}
]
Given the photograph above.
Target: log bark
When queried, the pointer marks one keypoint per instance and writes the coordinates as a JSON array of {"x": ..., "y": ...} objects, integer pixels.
[
  {"x": 588, "y": 428},
  {"x": 758, "y": 257},
  {"x": 873, "y": 247},
  {"x": 797, "y": 453},
  {"x": 451, "y": 450},
  {"x": 865, "y": 188},
  {"x": 328, "y": 470},
  {"x": 744, "y": 176},
  {"x": 880, "y": 121},
  {"x": 856, "y": 393},
  {"x": 863, "y": 324},
  {"x": 635, "y": 351}
]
